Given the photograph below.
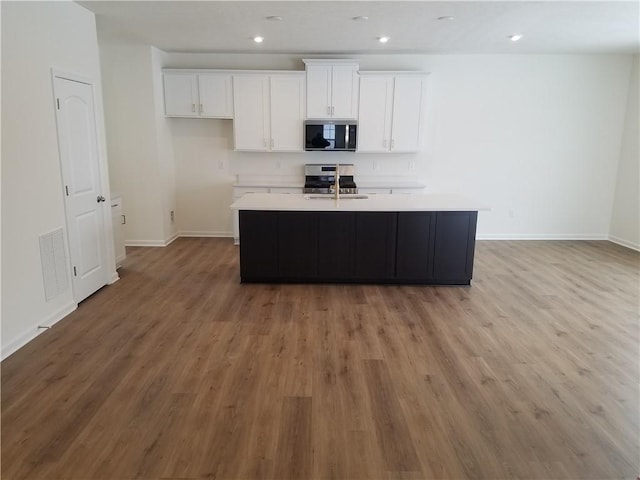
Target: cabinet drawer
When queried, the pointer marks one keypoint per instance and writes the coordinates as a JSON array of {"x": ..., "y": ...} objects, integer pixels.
[
  {"x": 240, "y": 191},
  {"x": 285, "y": 190},
  {"x": 374, "y": 191}
]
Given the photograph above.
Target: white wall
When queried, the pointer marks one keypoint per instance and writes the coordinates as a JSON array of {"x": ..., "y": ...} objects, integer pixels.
[
  {"x": 625, "y": 218},
  {"x": 37, "y": 36},
  {"x": 135, "y": 136},
  {"x": 535, "y": 137}
]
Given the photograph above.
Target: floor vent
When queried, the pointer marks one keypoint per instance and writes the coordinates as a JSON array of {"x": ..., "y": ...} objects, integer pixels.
[{"x": 54, "y": 264}]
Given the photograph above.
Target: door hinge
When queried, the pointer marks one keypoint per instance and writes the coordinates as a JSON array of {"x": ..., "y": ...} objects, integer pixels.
[
  {"x": 66, "y": 189},
  {"x": 58, "y": 103},
  {"x": 75, "y": 273}
]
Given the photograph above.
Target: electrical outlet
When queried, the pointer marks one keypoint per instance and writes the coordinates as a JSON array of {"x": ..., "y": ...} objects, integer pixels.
[{"x": 172, "y": 215}]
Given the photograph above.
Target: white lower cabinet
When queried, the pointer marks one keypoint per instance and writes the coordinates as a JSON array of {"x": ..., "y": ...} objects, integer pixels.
[
  {"x": 118, "y": 220},
  {"x": 373, "y": 191},
  {"x": 391, "y": 112},
  {"x": 268, "y": 112}
]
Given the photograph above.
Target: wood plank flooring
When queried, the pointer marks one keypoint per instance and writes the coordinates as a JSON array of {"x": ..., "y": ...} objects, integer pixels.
[{"x": 179, "y": 371}]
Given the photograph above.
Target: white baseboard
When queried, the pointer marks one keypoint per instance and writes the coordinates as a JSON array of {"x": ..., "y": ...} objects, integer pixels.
[
  {"x": 624, "y": 243},
  {"x": 171, "y": 239},
  {"x": 145, "y": 243},
  {"x": 196, "y": 233},
  {"x": 175, "y": 236},
  {"x": 17, "y": 343},
  {"x": 541, "y": 236}
]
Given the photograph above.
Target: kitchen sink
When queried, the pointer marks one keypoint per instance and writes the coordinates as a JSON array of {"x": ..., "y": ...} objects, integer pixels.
[{"x": 343, "y": 196}]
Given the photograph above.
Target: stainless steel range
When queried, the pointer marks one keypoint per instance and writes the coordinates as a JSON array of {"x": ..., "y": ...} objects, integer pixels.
[{"x": 321, "y": 178}]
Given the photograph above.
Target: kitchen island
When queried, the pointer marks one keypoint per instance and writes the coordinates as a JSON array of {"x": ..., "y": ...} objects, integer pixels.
[{"x": 397, "y": 239}]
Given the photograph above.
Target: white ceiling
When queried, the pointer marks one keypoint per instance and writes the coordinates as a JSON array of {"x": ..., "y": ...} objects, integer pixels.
[{"x": 327, "y": 27}]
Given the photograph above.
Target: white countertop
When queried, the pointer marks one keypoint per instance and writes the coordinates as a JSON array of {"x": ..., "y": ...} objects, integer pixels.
[{"x": 374, "y": 203}]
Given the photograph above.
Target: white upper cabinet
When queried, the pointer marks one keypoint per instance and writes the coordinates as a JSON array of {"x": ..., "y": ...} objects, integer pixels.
[
  {"x": 250, "y": 112},
  {"x": 216, "y": 95},
  {"x": 268, "y": 112},
  {"x": 376, "y": 105},
  {"x": 391, "y": 112},
  {"x": 198, "y": 95},
  {"x": 287, "y": 112},
  {"x": 181, "y": 95},
  {"x": 408, "y": 114},
  {"x": 332, "y": 89}
]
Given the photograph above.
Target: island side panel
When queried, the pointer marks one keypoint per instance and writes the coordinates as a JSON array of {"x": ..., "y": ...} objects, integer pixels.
[
  {"x": 259, "y": 246},
  {"x": 375, "y": 246},
  {"x": 298, "y": 245},
  {"x": 415, "y": 240},
  {"x": 455, "y": 236},
  {"x": 336, "y": 245}
]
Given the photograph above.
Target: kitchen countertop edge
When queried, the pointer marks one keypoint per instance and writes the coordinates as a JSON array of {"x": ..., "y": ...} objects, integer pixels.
[{"x": 416, "y": 202}]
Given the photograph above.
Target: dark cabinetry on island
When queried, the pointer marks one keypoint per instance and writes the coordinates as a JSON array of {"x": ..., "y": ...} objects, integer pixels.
[{"x": 433, "y": 248}]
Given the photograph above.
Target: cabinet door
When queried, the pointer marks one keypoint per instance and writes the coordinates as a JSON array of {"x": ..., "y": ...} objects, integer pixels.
[
  {"x": 318, "y": 91},
  {"x": 250, "y": 112},
  {"x": 259, "y": 247},
  {"x": 455, "y": 237},
  {"x": 414, "y": 255},
  {"x": 287, "y": 113},
  {"x": 180, "y": 95},
  {"x": 344, "y": 91},
  {"x": 216, "y": 95},
  {"x": 336, "y": 245},
  {"x": 374, "y": 124},
  {"x": 297, "y": 245},
  {"x": 406, "y": 134},
  {"x": 375, "y": 245}
]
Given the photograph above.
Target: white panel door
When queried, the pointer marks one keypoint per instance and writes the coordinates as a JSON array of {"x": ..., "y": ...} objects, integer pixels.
[
  {"x": 77, "y": 141},
  {"x": 216, "y": 95},
  {"x": 251, "y": 112},
  {"x": 374, "y": 124},
  {"x": 318, "y": 91},
  {"x": 287, "y": 113},
  {"x": 408, "y": 99},
  {"x": 344, "y": 91},
  {"x": 181, "y": 95}
]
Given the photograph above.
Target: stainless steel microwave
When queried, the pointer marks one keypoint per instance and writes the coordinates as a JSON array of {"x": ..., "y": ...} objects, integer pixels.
[{"x": 320, "y": 135}]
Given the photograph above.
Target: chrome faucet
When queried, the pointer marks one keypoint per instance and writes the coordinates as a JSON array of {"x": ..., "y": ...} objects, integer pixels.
[{"x": 337, "y": 186}]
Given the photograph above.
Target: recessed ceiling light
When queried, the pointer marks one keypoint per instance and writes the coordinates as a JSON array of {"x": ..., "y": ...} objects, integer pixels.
[
  {"x": 446, "y": 17},
  {"x": 360, "y": 18},
  {"x": 383, "y": 39},
  {"x": 274, "y": 18},
  {"x": 515, "y": 37},
  {"x": 258, "y": 39}
]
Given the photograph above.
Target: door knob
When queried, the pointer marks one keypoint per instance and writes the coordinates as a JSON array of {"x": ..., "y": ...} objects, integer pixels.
[{"x": 101, "y": 199}]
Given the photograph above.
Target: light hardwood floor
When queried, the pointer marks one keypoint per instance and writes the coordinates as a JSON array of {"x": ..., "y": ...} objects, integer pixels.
[{"x": 179, "y": 371}]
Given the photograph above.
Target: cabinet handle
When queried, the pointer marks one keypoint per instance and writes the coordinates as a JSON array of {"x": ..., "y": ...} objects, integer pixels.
[
  {"x": 384, "y": 143},
  {"x": 272, "y": 143},
  {"x": 124, "y": 220},
  {"x": 392, "y": 143},
  {"x": 193, "y": 107},
  {"x": 201, "y": 109},
  {"x": 264, "y": 142},
  {"x": 333, "y": 110},
  {"x": 328, "y": 110}
]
